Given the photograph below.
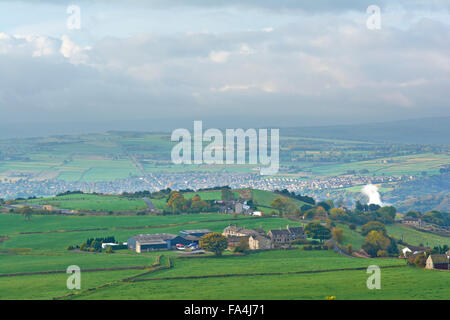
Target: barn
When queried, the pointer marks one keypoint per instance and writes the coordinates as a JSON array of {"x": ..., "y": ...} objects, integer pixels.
[
  {"x": 438, "y": 261},
  {"x": 150, "y": 242}
]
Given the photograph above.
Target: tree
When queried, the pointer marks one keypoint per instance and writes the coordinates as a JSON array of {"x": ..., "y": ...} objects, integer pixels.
[
  {"x": 242, "y": 246},
  {"x": 27, "y": 212},
  {"x": 214, "y": 242},
  {"x": 176, "y": 202},
  {"x": 227, "y": 195},
  {"x": 349, "y": 249},
  {"x": 375, "y": 241},
  {"x": 317, "y": 231},
  {"x": 321, "y": 213},
  {"x": 197, "y": 204},
  {"x": 338, "y": 214},
  {"x": 338, "y": 234},
  {"x": 285, "y": 206},
  {"x": 373, "y": 226}
]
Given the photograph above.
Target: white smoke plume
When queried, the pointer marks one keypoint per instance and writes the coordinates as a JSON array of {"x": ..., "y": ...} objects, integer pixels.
[{"x": 371, "y": 191}]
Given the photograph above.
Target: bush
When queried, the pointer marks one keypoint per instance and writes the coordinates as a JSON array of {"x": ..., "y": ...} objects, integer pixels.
[
  {"x": 382, "y": 253},
  {"x": 307, "y": 247},
  {"x": 352, "y": 226}
]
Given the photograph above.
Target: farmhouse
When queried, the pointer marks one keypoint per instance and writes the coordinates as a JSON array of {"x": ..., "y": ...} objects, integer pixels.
[
  {"x": 259, "y": 242},
  {"x": 283, "y": 237},
  {"x": 412, "y": 221},
  {"x": 438, "y": 261},
  {"x": 258, "y": 239},
  {"x": 241, "y": 232}
]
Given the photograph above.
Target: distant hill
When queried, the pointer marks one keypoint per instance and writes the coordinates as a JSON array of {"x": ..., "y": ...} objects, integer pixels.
[{"x": 417, "y": 131}]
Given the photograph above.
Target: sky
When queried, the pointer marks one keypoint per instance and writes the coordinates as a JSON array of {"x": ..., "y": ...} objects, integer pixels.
[{"x": 157, "y": 65}]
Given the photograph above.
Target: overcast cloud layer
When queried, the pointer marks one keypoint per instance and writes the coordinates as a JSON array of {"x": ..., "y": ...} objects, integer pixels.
[{"x": 224, "y": 61}]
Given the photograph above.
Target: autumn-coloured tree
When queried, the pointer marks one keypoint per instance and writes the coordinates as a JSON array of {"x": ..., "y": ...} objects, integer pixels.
[
  {"x": 376, "y": 242},
  {"x": 338, "y": 234},
  {"x": 214, "y": 242}
]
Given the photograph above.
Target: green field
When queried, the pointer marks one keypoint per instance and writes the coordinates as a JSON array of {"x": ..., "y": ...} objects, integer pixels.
[
  {"x": 398, "y": 284},
  {"x": 91, "y": 202},
  {"x": 119, "y": 155}
]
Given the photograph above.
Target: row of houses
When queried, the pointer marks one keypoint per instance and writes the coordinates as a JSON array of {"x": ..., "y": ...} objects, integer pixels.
[
  {"x": 259, "y": 240},
  {"x": 164, "y": 241}
]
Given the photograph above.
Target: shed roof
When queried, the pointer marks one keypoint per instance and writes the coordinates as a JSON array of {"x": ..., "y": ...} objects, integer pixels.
[{"x": 439, "y": 258}]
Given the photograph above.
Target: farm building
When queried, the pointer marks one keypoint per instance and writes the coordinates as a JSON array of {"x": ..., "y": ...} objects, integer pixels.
[
  {"x": 150, "y": 242},
  {"x": 161, "y": 241},
  {"x": 438, "y": 261}
]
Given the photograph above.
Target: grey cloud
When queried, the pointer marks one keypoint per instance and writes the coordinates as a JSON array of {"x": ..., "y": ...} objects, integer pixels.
[{"x": 342, "y": 73}]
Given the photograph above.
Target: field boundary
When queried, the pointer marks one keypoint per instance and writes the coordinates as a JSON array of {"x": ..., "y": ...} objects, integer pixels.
[
  {"x": 261, "y": 274},
  {"x": 64, "y": 271}
]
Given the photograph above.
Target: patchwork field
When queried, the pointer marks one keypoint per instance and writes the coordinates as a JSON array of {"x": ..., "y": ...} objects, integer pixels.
[{"x": 40, "y": 245}]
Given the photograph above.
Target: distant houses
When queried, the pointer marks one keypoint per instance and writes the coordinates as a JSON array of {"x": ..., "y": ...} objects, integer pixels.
[
  {"x": 164, "y": 241},
  {"x": 413, "y": 250},
  {"x": 411, "y": 221},
  {"x": 259, "y": 240}
]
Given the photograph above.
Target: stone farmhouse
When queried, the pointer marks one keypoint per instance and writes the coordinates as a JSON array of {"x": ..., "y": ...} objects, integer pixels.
[{"x": 259, "y": 240}]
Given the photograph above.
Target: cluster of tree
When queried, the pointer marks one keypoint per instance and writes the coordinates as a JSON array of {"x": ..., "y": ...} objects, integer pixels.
[
  {"x": 226, "y": 194},
  {"x": 215, "y": 188},
  {"x": 377, "y": 242},
  {"x": 147, "y": 194},
  {"x": 363, "y": 214},
  {"x": 293, "y": 195},
  {"x": 67, "y": 193},
  {"x": 440, "y": 249},
  {"x": 317, "y": 231},
  {"x": 95, "y": 244},
  {"x": 285, "y": 206},
  {"x": 177, "y": 203}
]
